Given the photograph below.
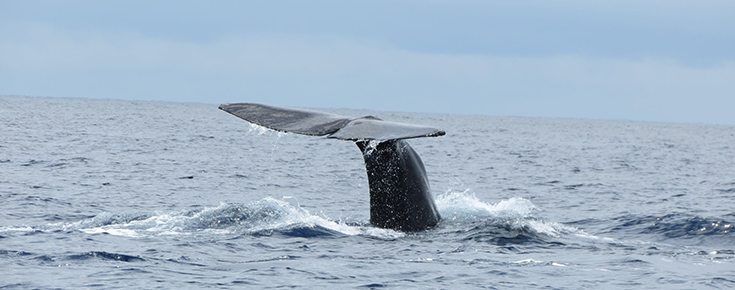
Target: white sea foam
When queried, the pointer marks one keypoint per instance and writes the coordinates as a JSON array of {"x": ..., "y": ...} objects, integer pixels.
[
  {"x": 456, "y": 205},
  {"x": 225, "y": 219},
  {"x": 517, "y": 212}
]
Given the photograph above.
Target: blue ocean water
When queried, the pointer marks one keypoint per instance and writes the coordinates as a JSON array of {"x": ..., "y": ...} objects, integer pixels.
[{"x": 142, "y": 195}]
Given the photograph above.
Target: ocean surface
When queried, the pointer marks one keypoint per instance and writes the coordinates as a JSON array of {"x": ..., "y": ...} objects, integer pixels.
[{"x": 115, "y": 194}]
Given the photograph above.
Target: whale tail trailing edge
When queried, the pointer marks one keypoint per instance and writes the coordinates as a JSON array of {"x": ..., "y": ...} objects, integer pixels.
[
  {"x": 400, "y": 196},
  {"x": 334, "y": 126}
]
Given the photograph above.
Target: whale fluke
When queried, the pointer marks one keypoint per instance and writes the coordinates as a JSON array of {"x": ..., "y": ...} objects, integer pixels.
[
  {"x": 400, "y": 196},
  {"x": 334, "y": 126}
]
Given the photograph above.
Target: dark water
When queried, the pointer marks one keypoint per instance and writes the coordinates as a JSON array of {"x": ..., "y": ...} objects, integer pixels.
[{"x": 116, "y": 194}]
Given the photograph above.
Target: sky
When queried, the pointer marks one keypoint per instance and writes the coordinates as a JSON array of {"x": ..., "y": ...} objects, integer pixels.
[{"x": 658, "y": 60}]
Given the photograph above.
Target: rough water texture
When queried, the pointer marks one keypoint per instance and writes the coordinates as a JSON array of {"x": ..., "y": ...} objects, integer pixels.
[{"x": 118, "y": 194}]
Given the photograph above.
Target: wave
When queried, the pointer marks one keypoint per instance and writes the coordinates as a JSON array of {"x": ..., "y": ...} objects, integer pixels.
[
  {"x": 103, "y": 256},
  {"x": 98, "y": 255},
  {"x": 508, "y": 221},
  {"x": 677, "y": 228},
  {"x": 265, "y": 217}
]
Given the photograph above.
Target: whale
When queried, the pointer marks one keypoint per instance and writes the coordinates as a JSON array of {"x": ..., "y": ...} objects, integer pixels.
[{"x": 400, "y": 195}]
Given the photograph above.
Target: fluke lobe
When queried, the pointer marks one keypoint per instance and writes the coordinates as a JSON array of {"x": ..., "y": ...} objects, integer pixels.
[{"x": 400, "y": 196}]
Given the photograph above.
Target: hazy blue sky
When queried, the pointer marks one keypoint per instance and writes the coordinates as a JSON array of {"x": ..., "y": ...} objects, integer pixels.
[{"x": 664, "y": 60}]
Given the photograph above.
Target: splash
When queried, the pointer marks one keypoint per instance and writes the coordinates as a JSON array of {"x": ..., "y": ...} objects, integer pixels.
[
  {"x": 258, "y": 130},
  {"x": 513, "y": 215},
  {"x": 264, "y": 217},
  {"x": 464, "y": 205},
  {"x": 372, "y": 145},
  {"x": 270, "y": 216}
]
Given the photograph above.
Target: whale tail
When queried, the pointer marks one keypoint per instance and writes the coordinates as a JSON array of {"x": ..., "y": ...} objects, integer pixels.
[
  {"x": 334, "y": 126},
  {"x": 400, "y": 196}
]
